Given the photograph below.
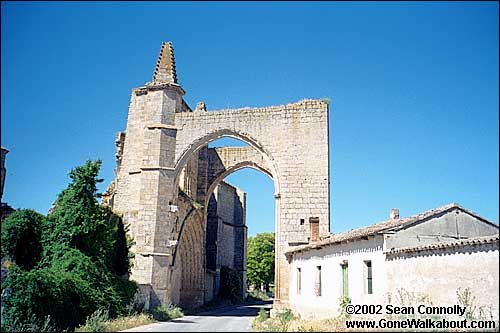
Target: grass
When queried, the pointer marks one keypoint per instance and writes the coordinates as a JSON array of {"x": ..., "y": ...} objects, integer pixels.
[
  {"x": 99, "y": 321},
  {"x": 167, "y": 312},
  {"x": 257, "y": 295},
  {"x": 115, "y": 325},
  {"x": 280, "y": 323}
]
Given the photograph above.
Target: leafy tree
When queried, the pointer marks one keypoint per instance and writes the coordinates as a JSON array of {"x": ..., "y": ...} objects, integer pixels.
[
  {"x": 82, "y": 267},
  {"x": 21, "y": 237},
  {"x": 260, "y": 260},
  {"x": 78, "y": 220}
]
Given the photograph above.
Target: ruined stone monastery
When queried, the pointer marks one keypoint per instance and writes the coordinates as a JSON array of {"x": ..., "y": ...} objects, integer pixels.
[{"x": 187, "y": 222}]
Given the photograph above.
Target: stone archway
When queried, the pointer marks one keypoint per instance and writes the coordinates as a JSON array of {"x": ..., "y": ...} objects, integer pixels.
[
  {"x": 163, "y": 135},
  {"x": 222, "y": 236}
]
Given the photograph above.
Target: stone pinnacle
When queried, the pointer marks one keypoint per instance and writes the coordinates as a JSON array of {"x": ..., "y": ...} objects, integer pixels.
[{"x": 165, "y": 66}]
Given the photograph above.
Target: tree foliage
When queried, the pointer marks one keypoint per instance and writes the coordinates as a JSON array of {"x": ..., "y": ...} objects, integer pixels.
[
  {"x": 260, "y": 260},
  {"x": 81, "y": 263},
  {"x": 21, "y": 237}
]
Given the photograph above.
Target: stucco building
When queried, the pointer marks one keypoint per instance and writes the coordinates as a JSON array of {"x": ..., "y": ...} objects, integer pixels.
[{"x": 435, "y": 255}]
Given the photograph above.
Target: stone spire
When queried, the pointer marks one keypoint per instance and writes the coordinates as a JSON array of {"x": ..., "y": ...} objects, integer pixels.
[{"x": 165, "y": 66}]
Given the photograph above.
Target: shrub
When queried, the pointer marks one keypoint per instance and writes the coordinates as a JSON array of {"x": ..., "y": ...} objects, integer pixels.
[
  {"x": 343, "y": 301},
  {"x": 262, "y": 316},
  {"x": 21, "y": 237},
  {"x": 166, "y": 312},
  {"x": 79, "y": 263},
  {"x": 33, "y": 325},
  {"x": 255, "y": 295},
  {"x": 96, "y": 322},
  {"x": 116, "y": 325},
  {"x": 281, "y": 323},
  {"x": 39, "y": 293}
]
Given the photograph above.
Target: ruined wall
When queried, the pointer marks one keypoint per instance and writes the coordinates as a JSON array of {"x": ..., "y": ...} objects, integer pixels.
[
  {"x": 226, "y": 237},
  {"x": 439, "y": 273},
  {"x": 232, "y": 230},
  {"x": 293, "y": 139}
]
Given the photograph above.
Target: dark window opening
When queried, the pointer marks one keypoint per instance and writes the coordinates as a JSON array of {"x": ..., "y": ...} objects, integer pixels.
[{"x": 368, "y": 275}]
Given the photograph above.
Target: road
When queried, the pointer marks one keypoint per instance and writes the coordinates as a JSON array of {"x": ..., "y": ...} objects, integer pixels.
[{"x": 229, "y": 319}]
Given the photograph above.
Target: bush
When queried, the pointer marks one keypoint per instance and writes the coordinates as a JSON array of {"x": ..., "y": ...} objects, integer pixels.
[
  {"x": 281, "y": 323},
  {"x": 40, "y": 293},
  {"x": 21, "y": 238},
  {"x": 262, "y": 316},
  {"x": 96, "y": 322},
  {"x": 78, "y": 256},
  {"x": 115, "y": 325},
  {"x": 255, "y": 295},
  {"x": 343, "y": 302},
  {"x": 166, "y": 312}
]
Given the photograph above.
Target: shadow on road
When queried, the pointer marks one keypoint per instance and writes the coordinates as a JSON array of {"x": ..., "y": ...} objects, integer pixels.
[
  {"x": 243, "y": 310},
  {"x": 181, "y": 321}
]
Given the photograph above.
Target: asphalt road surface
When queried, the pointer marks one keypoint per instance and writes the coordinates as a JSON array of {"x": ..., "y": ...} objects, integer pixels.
[{"x": 229, "y": 319}]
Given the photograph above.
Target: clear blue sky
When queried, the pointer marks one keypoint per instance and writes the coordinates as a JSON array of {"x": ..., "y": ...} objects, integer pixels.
[{"x": 414, "y": 90}]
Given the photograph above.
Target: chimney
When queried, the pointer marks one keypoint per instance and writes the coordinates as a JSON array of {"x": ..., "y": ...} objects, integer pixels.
[
  {"x": 314, "y": 229},
  {"x": 394, "y": 213}
]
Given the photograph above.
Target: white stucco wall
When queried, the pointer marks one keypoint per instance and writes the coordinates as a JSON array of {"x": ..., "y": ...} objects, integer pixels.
[
  {"x": 439, "y": 273},
  {"x": 330, "y": 258}
]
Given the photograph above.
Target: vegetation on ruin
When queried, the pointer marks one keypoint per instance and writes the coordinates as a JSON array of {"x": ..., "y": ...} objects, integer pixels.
[
  {"x": 260, "y": 260},
  {"x": 66, "y": 265}
]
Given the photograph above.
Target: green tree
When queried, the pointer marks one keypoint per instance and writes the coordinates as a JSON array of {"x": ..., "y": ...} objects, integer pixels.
[
  {"x": 260, "y": 260},
  {"x": 21, "y": 237},
  {"x": 83, "y": 264}
]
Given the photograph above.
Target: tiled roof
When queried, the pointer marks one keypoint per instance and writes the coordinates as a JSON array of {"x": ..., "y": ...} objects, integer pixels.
[
  {"x": 383, "y": 227},
  {"x": 457, "y": 243}
]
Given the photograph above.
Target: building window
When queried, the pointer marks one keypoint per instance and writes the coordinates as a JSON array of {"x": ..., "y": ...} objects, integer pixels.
[
  {"x": 368, "y": 277},
  {"x": 345, "y": 279},
  {"x": 317, "y": 285},
  {"x": 299, "y": 280}
]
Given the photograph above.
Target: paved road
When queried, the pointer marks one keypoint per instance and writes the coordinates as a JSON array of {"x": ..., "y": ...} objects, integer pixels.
[{"x": 228, "y": 319}]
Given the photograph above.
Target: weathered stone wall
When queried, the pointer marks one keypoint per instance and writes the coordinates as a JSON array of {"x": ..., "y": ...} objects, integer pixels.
[
  {"x": 439, "y": 273},
  {"x": 293, "y": 140},
  {"x": 232, "y": 231},
  {"x": 226, "y": 233}
]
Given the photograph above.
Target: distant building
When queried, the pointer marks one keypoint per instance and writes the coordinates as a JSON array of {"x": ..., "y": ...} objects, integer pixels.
[
  {"x": 433, "y": 254},
  {"x": 4, "y": 152},
  {"x": 6, "y": 209}
]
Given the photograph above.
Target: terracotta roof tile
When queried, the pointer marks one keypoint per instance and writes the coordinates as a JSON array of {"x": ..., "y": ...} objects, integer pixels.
[
  {"x": 382, "y": 227},
  {"x": 442, "y": 245}
]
